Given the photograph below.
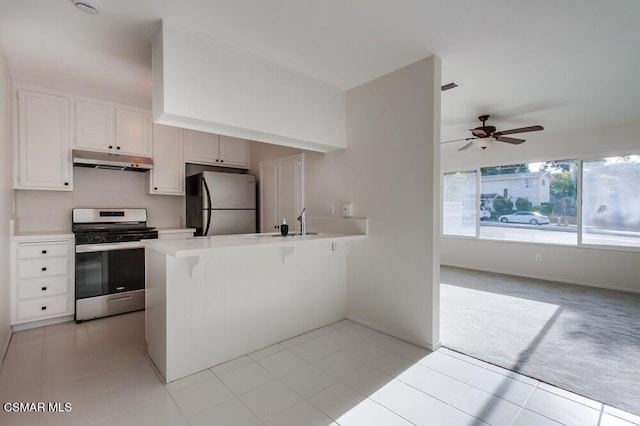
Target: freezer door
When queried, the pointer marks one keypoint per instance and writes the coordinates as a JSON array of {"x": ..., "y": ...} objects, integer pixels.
[
  {"x": 230, "y": 190},
  {"x": 226, "y": 222}
]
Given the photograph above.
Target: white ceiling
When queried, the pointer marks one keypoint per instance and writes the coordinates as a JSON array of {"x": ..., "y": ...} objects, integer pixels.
[{"x": 565, "y": 65}]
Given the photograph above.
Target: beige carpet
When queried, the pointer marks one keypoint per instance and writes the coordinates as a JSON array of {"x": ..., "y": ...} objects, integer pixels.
[{"x": 582, "y": 339}]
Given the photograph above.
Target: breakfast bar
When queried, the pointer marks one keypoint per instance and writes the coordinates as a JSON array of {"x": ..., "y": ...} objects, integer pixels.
[{"x": 213, "y": 299}]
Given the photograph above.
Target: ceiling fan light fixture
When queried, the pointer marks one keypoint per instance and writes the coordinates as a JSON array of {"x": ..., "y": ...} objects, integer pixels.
[
  {"x": 481, "y": 143},
  {"x": 90, "y": 7}
]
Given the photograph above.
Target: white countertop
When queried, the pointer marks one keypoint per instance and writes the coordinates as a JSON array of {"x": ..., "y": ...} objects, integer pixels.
[
  {"x": 41, "y": 235},
  {"x": 175, "y": 230},
  {"x": 201, "y": 245}
]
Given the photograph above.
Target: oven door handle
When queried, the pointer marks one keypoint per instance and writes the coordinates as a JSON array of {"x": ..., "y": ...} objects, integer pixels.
[{"x": 92, "y": 248}]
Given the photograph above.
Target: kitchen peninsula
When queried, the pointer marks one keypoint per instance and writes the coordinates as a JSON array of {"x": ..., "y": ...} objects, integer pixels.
[{"x": 212, "y": 299}]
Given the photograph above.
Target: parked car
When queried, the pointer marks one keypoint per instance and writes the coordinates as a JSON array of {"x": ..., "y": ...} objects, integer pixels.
[
  {"x": 534, "y": 218},
  {"x": 485, "y": 214}
]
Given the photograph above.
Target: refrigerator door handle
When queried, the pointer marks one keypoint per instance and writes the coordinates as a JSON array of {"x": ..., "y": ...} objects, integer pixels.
[{"x": 206, "y": 188}]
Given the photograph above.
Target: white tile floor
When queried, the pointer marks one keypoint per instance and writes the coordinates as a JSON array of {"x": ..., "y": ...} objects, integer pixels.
[{"x": 342, "y": 374}]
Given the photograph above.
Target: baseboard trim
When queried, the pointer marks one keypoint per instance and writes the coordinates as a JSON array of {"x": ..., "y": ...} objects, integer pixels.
[
  {"x": 542, "y": 278},
  {"x": 41, "y": 323},
  {"x": 5, "y": 349},
  {"x": 432, "y": 347}
]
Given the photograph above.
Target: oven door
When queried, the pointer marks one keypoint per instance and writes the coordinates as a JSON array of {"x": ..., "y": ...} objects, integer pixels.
[{"x": 103, "y": 269}]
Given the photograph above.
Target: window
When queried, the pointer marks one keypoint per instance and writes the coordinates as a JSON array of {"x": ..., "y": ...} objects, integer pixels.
[
  {"x": 611, "y": 201},
  {"x": 512, "y": 206},
  {"x": 460, "y": 210},
  {"x": 530, "y": 212}
]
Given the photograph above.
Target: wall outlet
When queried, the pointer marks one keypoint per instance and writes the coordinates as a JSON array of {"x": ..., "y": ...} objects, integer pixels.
[
  {"x": 538, "y": 258},
  {"x": 347, "y": 210},
  {"x": 331, "y": 209},
  {"x": 334, "y": 246}
]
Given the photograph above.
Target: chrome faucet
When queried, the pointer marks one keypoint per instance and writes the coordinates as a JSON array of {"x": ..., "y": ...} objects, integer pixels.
[{"x": 303, "y": 222}]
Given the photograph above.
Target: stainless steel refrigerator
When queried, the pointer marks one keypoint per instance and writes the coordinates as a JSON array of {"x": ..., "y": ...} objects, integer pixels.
[{"x": 221, "y": 203}]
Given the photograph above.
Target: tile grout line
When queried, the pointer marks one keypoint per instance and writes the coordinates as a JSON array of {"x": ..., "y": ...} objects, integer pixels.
[{"x": 525, "y": 403}]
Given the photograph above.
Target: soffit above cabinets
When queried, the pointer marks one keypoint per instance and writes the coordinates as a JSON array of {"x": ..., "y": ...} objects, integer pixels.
[{"x": 203, "y": 85}]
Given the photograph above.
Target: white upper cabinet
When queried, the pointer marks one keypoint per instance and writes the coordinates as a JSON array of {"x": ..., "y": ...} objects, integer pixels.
[
  {"x": 234, "y": 152},
  {"x": 167, "y": 175},
  {"x": 198, "y": 83},
  {"x": 212, "y": 149},
  {"x": 133, "y": 131},
  {"x": 42, "y": 154},
  {"x": 94, "y": 126},
  {"x": 202, "y": 148},
  {"x": 112, "y": 128}
]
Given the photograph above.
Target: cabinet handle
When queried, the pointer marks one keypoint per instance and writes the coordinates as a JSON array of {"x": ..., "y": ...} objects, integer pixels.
[
  {"x": 217, "y": 160},
  {"x": 66, "y": 184},
  {"x": 44, "y": 289},
  {"x": 117, "y": 147},
  {"x": 44, "y": 252},
  {"x": 44, "y": 308},
  {"x": 222, "y": 161},
  {"x": 110, "y": 146},
  {"x": 155, "y": 188},
  {"x": 44, "y": 268}
]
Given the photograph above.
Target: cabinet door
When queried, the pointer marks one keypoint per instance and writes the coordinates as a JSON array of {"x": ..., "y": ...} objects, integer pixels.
[
  {"x": 202, "y": 148},
  {"x": 133, "y": 132},
  {"x": 290, "y": 190},
  {"x": 94, "y": 126},
  {"x": 43, "y": 149},
  {"x": 233, "y": 152},
  {"x": 167, "y": 175},
  {"x": 268, "y": 196}
]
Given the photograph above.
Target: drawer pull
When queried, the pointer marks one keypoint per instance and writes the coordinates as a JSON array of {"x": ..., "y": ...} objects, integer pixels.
[
  {"x": 44, "y": 252},
  {"x": 120, "y": 288},
  {"x": 44, "y": 288},
  {"x": 44, "y": 308},
  {"x": 44, "y": 268}
]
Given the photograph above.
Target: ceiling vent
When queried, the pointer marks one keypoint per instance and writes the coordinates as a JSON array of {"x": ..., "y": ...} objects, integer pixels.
[
  {"x": 449, "y": 86},
  {"x": 90, "y": 7}
]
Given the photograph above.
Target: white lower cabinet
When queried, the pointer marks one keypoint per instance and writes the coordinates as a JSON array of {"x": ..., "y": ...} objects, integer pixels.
[{"x": 42, "y": 279}]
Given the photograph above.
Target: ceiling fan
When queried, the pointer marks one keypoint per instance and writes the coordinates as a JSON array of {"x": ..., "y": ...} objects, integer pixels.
[{"x": 485, "y": 131}]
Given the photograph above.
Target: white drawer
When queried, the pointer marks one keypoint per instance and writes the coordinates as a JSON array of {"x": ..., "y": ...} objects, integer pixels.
[
  {"x": 42, "y": 308},
  {"x": 42, "y": 288},
  {"x": 43, "y": 268},
  {"x": 43, "y": 250}
]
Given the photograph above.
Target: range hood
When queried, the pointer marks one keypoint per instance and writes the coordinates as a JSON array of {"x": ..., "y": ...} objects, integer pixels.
[{"x": 105, "y": 160}]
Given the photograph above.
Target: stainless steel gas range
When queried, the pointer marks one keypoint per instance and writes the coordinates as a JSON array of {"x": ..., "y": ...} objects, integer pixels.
[{"x": 110, "y": 274}]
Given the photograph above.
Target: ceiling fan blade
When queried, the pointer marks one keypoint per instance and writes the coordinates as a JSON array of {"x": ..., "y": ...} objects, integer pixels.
[
  {"x": 510, "y": 140},
  {"x": 466, "y": 146},
  {"x": 457, "y": 140},
  {"x": 520, "y": 130}
]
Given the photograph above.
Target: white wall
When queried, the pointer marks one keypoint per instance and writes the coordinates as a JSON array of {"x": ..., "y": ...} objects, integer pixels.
[
  {"x": 607, "y": 268},
  {"x": 204, "y": 85},
  {"x": 389, "y": 172},
  {"x": 93, "y": 188},
  {"x": 6, "y": 198}
]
